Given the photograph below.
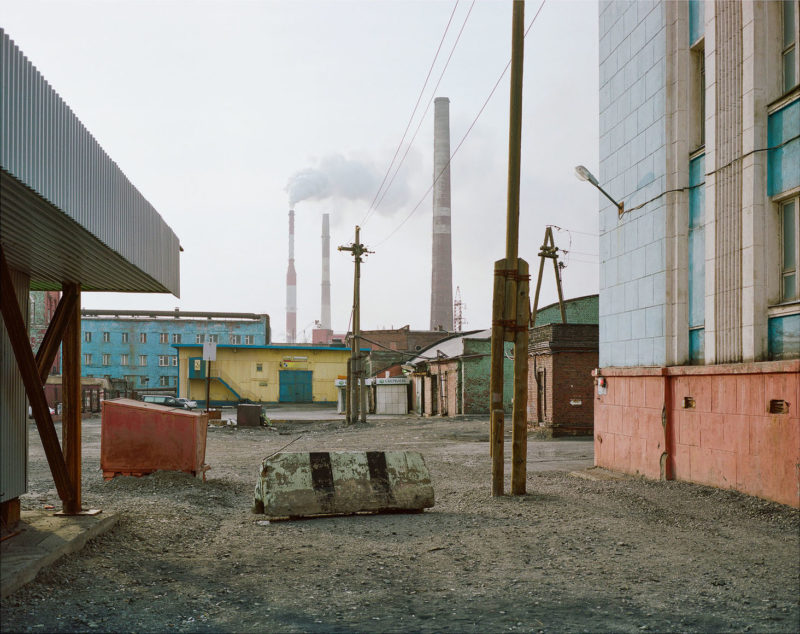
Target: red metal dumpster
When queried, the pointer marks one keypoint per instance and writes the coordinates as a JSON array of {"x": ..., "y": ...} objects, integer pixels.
[{"x": 138, "y": 438}]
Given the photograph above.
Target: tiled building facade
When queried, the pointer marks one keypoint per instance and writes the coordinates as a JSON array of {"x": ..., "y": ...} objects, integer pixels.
[{"x": 699, "y": 288}]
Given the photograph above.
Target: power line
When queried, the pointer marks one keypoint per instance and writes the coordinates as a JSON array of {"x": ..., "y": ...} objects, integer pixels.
[
  {"x": 428, "y": 105},
  {"x": 583, "y": 233},
  {"x": 466, "y": 134},
  {"x": 372, "y": 205}
]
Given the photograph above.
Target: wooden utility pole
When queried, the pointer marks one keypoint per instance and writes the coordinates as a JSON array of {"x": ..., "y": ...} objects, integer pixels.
[
  {"x": 355, "y": 376},
  {"x": 511, "y": 303}
]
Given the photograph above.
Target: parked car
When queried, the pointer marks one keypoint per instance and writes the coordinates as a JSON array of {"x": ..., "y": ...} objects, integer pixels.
[
  {"x": 160, "y": 399},
  {"x": 187, "y": 403}
]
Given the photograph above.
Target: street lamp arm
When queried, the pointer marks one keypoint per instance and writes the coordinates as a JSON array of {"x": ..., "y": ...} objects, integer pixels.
[
  {"x": 585, "y": 175},
  {"x": 619, "y": 206}
]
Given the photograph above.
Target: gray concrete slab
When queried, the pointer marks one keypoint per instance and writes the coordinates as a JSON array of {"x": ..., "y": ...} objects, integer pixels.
[{"x": 42, "y": 539}]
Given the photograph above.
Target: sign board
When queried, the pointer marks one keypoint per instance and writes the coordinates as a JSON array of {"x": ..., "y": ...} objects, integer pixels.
[{"x": 210, "y": 351}]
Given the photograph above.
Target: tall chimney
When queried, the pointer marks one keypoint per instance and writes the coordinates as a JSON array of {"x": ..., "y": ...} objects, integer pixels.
[
  {"x": 325, "y": 317},
  {"x": 442, "y": 265},
  {"x": 291, "y": 287}
]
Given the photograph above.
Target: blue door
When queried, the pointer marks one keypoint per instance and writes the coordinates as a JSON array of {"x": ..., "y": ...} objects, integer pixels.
[{"x": 295, "y": 386}]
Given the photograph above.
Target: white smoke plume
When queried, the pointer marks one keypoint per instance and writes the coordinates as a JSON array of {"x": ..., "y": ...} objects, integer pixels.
[{"x": 338, "y": 177}]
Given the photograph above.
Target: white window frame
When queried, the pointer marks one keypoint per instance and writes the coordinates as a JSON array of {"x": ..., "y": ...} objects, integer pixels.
[
  {"x": 123, "y": 359},
  {"x": 212, "y": 338},
  {"x": 176, "y": 337},
  {"x": 124, "y": 337},
  {"x": 87, "y": 358},
  {"x": 106, "y": 359},
  {"x": 199, "y": 338},
  {"x": 106, "y": 337},
  {"x": 87, "y": 336},
  {"x": 163, "y": 361},
  {"x": 235, "y": 339},
  {"x": 142, "y": 337},
  {"x": 793, "y": 199},
  {"x": 174, "y": 360},
  {"x": 163, "y": 337},
  {"x": 142, "y": 360},
  {"x": 163, "y": 381},
  {"x": 785, "y": 49},
  {"x": 248, "y": 340}
]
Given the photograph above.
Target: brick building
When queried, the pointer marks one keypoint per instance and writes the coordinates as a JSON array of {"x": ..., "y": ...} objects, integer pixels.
[
  {"x": 390, "y": 348},
  {"x": 560, "y": 383},
  {"x": 451, "y": 377}
]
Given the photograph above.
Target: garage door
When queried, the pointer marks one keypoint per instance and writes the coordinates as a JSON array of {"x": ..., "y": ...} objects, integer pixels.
[{"x": 295, "y": 386}]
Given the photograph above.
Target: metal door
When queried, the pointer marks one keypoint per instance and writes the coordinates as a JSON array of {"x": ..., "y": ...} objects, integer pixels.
[{"x": 295, "y": 386}]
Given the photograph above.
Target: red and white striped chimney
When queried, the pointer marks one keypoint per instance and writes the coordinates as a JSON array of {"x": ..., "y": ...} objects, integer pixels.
[{"x": 291, "y": 287}]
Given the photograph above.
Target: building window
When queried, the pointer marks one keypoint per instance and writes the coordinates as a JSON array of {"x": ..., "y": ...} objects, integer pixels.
[
  {"x": 163, "y": 360},
  {"x": 142, "y": 359},
  {"x": 259, "y": 367},
  {"x": 789, "y": 47},
  {"x": 143, "y": 380},
  {"x": 164, "y": 381},
  {"x": 142, "y": 337},
  {"x": 106, "y": 359},
  {"x": 174, "y": 360},
  {"x": 790, "y": 243},
  {"x": 163, "y": 337},
  {"x": 697, "y": 259},
  {"x": 697, "y": 20},
  {"x": 106, "y": 337},
  {"x": 235, "y": 339},
  {"x": 176, "y": 338},
  {"x": 248, "y": 340},
  {"x": 124, "y": 337},
  {"x": 87, "y": 359},
  {"x": 200, "y": 339},
  {"x": 213, "y": 338},
  {"x": 87, "y": 337},
  {"x": 123, "y": 359}
]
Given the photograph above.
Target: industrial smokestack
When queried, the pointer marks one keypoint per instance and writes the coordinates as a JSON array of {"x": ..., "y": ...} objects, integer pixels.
[
  {"x": 291, "y": 287},
  {"x": 325, "y": 317},
  {"x": 442, "y": 265}
]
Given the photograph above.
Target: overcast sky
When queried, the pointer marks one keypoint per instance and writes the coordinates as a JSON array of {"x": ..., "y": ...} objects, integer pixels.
[{"x": 212, "y": 109}]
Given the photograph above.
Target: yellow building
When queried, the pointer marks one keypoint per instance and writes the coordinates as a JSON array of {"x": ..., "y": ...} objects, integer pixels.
[{"x": 262, "y": 374}]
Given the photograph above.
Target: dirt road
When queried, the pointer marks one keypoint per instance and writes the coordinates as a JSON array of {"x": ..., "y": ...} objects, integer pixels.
[{"x": 573, "y": 555}]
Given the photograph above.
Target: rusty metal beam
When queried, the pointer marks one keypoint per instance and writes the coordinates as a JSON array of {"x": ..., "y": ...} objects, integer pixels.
[
  {"x": 20, "y": 343},
  {"x": 55, "y": 332},
  {"x": 73, "y": 397}
]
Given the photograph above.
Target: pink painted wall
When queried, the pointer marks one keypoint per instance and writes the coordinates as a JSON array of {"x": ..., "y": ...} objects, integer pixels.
[{"x": 727, "y": 439}]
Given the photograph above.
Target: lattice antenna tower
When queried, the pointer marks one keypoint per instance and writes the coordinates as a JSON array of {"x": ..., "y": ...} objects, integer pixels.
[{"x": 458, "y": 312}]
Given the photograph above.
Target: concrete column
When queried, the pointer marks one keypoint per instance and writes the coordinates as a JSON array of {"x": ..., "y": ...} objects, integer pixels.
[
  {"x": 325, "y": 309},
  {"x": 442, "y": 261}
]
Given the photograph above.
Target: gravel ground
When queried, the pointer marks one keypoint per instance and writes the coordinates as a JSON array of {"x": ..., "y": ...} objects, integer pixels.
[{"x": 625, "y": 555}]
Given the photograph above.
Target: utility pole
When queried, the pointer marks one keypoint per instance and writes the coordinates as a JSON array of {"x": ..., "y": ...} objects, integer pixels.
[
  {"x": 511, "y": 302},
  {"x": 548, "y": 250},
  {"x": 356, "y": 401}
]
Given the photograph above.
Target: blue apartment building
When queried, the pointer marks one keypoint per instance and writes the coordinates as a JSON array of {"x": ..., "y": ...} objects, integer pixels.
[{"x": 138, "y": 345}]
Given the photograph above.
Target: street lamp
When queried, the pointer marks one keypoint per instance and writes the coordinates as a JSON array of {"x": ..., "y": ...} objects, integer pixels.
[{"x": 585, "y": 175}]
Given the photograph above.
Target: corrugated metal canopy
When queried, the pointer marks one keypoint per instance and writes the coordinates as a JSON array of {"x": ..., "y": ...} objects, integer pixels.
[{"x": 67, "y": 212}]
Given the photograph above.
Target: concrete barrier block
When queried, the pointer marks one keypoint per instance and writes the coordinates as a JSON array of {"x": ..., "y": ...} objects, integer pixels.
[{"x": 307, "y": 484}]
